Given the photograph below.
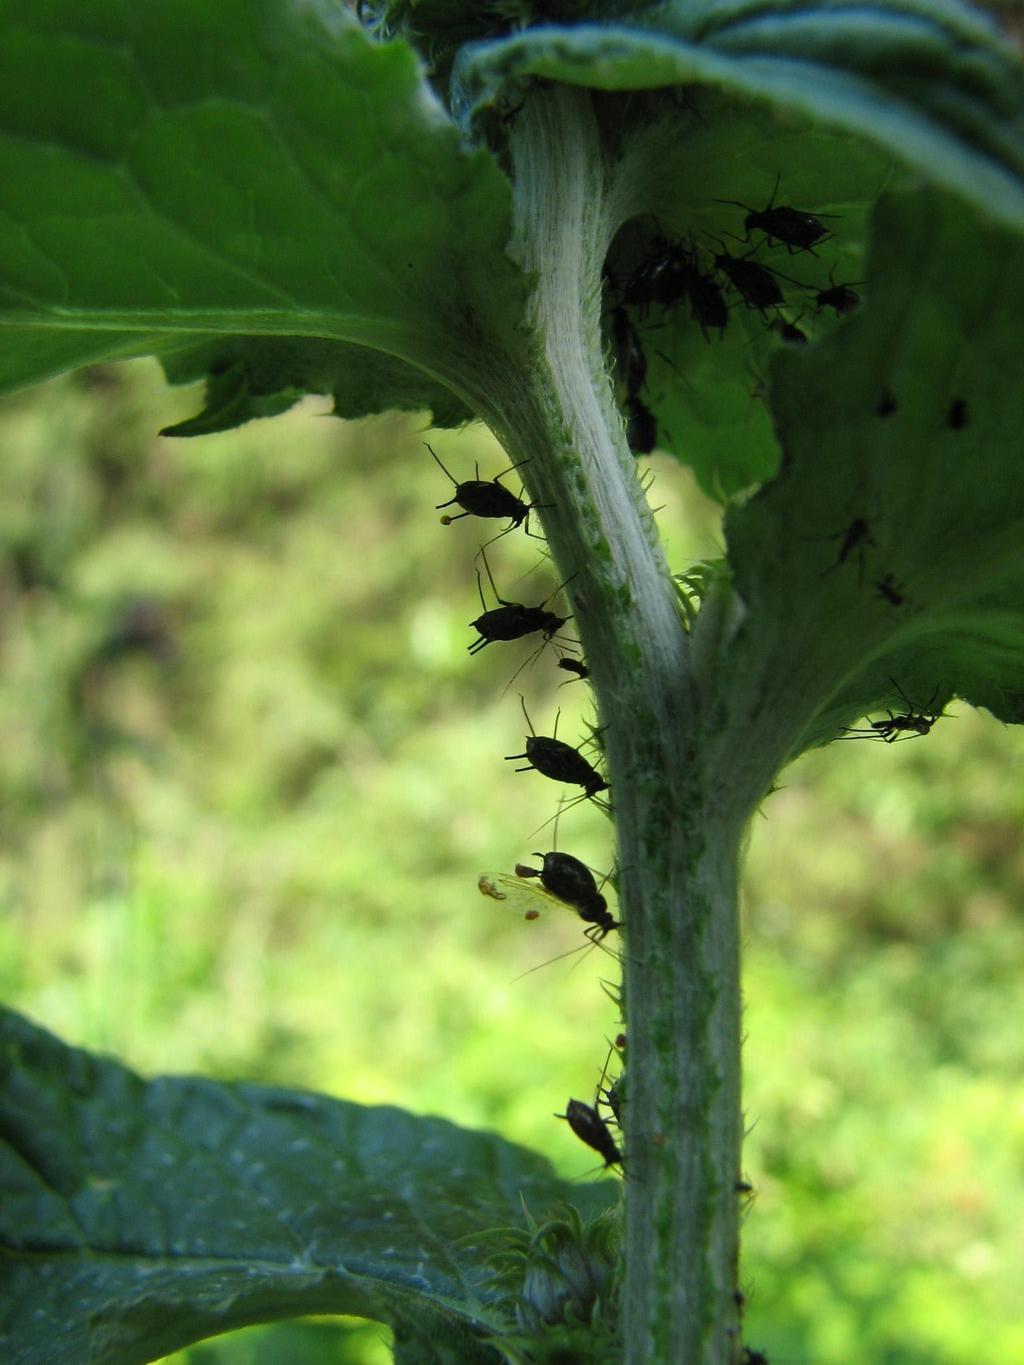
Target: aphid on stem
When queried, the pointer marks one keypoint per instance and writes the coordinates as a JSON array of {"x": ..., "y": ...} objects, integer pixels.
[
  {"x": 572, "y": 882},
  {"x": 487, "y": 498},
  {"x": 590, "y": 1127},
  {"x": 512, "y": 620},
  {"x": 531, "y": 900},
  {"x": 557, "y": 760}
]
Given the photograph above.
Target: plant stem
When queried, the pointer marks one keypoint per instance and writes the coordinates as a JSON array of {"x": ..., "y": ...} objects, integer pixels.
[{"x": 677, "y": 849}]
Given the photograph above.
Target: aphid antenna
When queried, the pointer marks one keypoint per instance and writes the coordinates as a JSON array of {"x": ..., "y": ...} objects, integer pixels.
[
  {"x": 531, "y": 658},
  {"x": 604, "y": 1069},
  {"x": 848, "y": 284},
  {"x": 444, "y": 470},
  {"x": 771, "y": 204},
  {"x": 529, "y": 722}
]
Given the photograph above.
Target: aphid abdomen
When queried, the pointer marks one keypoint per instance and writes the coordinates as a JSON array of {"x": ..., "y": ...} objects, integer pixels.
[
  {"x": 512, "y": 622},
  {"x": 590, "y": 1127},
  {"x": 562, "y": 763},
  {"x": 574, "y": 666},
  {"x": 570, "y": 880},
  {"x": 791, "y": 227},
  {"x": 707, "y": 303},
  {"x": 755, "y": 284},
  {"x": 482, "y": 498}
]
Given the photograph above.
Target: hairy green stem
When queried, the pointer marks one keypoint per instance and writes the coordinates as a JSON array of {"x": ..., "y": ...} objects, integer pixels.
[{"x": 677, "y": 848}]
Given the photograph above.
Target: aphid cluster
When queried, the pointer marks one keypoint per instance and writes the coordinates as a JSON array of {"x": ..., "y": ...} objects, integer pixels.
[
  {"x": 561, "y": 879},
  {"x": 703, "y": 277}
]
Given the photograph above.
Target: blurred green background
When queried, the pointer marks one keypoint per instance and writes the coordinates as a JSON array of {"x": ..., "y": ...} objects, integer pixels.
[{"x": 249, "y": 777}]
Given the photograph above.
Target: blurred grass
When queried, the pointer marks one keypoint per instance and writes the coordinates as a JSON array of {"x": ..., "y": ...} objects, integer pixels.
[{"x": 249, "y": 777}]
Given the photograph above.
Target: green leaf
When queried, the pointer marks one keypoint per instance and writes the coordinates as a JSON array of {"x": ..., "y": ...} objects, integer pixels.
[
  {"x": 883, "y": 567},
  {"x": 137, "y": 1217},
  {"x": 179, "y": 175}
]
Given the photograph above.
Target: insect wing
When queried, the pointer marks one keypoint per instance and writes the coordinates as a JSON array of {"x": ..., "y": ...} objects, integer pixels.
[{"x": 522, "y": 897}]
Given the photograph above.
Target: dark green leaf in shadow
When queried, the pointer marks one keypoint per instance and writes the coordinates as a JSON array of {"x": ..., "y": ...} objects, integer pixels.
[
  {"x": 137, "y": 1217},
  {"x": 248, "y": 377}
]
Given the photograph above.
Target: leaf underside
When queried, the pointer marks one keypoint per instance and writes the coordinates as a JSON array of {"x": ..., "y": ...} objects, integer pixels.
[
  {"x": 884, "y": 567},
  {"x": 137, "y": 1217}
]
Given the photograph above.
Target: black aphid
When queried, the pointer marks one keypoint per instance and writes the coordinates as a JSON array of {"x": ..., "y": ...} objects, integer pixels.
[
  {"x": 641, "y": 426},
  {"x": 630, "y": 361},
  {"x": 558, "y": 761},
  {"x": 573, "y": 882},
  {"x": 890, "y": 590},
  {"x": 886, "y": 404},
  {"x": 795, "y": 229},
  {"x": 487, "y": 498},
  {"x": 854, "y": 539},
  {"x": 907, "y": 725},
  {"x": 956, "y": 416},
  {"x": 590, "y": 1127},
  {"x": 841, "y": 298},
  {"x": 512, "y": 620},
  {"x": 755, "y": 284},
  {"x": 574, "y": 666}
]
